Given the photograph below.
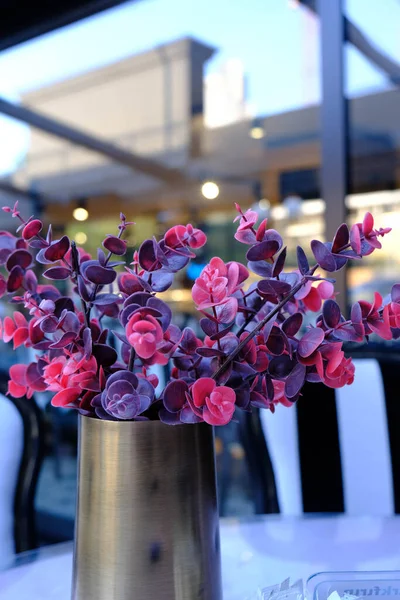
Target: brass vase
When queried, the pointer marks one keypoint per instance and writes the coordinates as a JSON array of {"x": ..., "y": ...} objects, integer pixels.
[{"x": 147, "y": 519}]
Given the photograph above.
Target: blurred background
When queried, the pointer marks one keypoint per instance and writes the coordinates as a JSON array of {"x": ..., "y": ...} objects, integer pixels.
[{"x": 171, "y": 111}]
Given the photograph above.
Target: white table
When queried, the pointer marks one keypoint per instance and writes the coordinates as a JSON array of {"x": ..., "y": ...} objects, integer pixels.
[{"x": 255, "y": 553}]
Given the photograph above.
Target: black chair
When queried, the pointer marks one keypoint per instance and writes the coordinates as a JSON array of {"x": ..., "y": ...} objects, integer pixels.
[
  {"x": 337, "y": 450},
  {"x": 32, "y": 452}
]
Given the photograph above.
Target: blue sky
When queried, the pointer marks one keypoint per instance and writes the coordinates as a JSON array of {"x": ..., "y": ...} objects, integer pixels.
[{"x": 277, "y": 44}]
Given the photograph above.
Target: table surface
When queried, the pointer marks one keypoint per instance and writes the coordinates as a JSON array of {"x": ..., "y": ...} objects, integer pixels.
[{"x": 255, "y": 553}]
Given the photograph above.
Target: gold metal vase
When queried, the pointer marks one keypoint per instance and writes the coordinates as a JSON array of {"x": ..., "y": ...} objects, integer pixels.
[{"x": 147, "y": 520}]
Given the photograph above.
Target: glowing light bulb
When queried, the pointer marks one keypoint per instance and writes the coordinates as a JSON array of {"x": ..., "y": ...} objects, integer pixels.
[
  {"x": 80, "y": 213},
  {"x": 257, "y": 132},
  {"x": 210, "y": 190},
  {"x": 80, "y": 237}
]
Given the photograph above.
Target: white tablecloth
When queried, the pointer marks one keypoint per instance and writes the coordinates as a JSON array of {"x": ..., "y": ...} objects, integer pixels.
[{"x": 254, "y": 553}]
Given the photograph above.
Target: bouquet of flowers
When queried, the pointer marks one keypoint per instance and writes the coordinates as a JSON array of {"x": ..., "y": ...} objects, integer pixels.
[{"x": 254, "y": 352}]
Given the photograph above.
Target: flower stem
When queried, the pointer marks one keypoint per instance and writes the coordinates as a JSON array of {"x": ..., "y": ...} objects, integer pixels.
[
  {"x": 75, "y": 267},
  {"x": 261, "y": 324},
  {"x": 132, "y": 357}
]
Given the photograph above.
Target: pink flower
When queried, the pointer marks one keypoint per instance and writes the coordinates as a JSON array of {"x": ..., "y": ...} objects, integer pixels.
[
  {"x": 16, "y": 330},
  {"x": 366, "y": 228},
  {"x": 25, "y": 380},
  {"x": 146, "y": 336},
  {"x": 179, "y": 236},
  {"x": 32, "y": 229},
  {"x": 70, "y": 378},
  {"x": 313, "y": 295},
  {"x": 215, "y": 404},
  {"x": 217, "y": 283},
  {"x": 376, "y": 320},
  {"x": 247, "y": 220},
  {"x": 279, "y": 393},
  {"x": 331, "y": 365}
]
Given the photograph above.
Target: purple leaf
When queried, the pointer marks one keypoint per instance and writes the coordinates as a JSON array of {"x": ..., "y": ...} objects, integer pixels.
[
  {"x": 31, "y": 281},
  {"x": 22, "y": 258},
  {"x": 99, "y": 275},
  {"x": 340, "y": 261},
  {"x": 209, "y": 327},
  {"x": 64, "y": 341},
  {"x": 395, "y": 293},
  {"x": 105, "y": 355},
  {"x": 57, "y": 250},
  {"x": 174, "y": 397},
  {"x": 40, "y": 257},
  {"x": 105, "y": 299},
  {"x": 82, "y": 289},
  {"x": 163, "y": 309},
  {"x": 176, "y": 261},
  {"x": 15, "y": 279},
  {"x": 323, "y": 256},
  {"x": 331, "y": 313},
  {"x": 270, "y": 387},
  {"x": 57, "y": 273},
  {"x": 341, "y": 238},
  {"x": 310, "y": 341},
  {"x": 101, "y": 257},
  {"x": 263, "y": 250},
  {"x": 279, "y": 263},
  {"x": 161, "y": 280},
  {"x": 188, "y": 341},
  {"x": 147, "y": 256},
  {"x": 169, "y": 418},
  {"x": 222, "y": 333},
  {"x": 115, "y": 245},
  {"x": 280, "y": 366},
  {"x": 4, "y": 254},
  {"x": 62, "y": 304},
  {"x": 37, "y": 243},
  {"x": 208, "y": 352},
  {"x": 246, "y": 236},
  {"x": 49, "y": 324},
  {"x": 295, "y": 381},
  {"x": 355, "y": 239},
  {"x": 292, "y": 324},
  {"x": 260, "y": 268},
  {"x": 259, "y": 401},
  {"x": 227, "y": 312},
  {"x": 276, "y": 341},
  {"x": 87, "y": 342},
  {"x": 272, "y": 289},
  {"x": 302, "y": 261},
  {"x": 69, "y": 321}
]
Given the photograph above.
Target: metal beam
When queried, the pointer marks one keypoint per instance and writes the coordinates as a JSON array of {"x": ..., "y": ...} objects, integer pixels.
[
  {"x": 355, "y": 36},
  {"x": 334, "y": 128},
  {"x": 21, "y": 22},
  {"x": 66, "y": 132}
]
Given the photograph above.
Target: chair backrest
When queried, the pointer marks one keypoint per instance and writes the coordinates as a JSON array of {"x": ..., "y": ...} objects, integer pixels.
[
  {"x": 21, "y": 453},
  {"x": 339, "y": 450}
]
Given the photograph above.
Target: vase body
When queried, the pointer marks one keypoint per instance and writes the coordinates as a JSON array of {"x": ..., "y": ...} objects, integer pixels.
[{"x": 147, "y": 519}]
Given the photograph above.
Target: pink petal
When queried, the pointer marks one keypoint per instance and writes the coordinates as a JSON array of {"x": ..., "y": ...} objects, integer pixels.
[
  {"x": 66, "y": 396},
  {"x": 368, "y": 223},
  {"x": 18, "y": 374},
  {"x": 20, "y": 337},
  {"x": 20, "y": 320},
  {"x": 15, "y": 390},
  {"x": 201, "y": 389},
  {"x": 9, "y": 328}
]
